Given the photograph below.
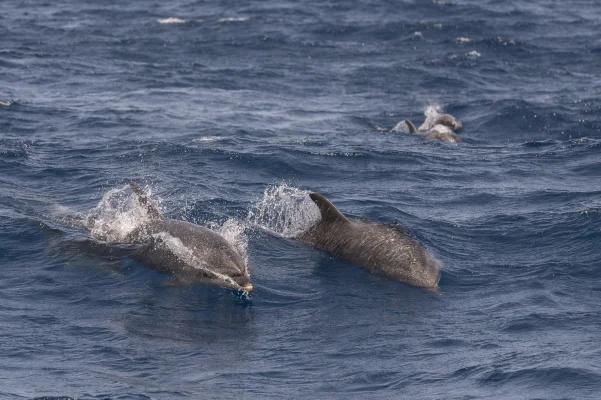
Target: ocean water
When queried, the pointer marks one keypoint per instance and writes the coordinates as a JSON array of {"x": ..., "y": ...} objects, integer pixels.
[{"x": 229, "y": 112}]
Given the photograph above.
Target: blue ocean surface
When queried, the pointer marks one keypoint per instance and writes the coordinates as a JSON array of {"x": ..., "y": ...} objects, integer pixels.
[{"x": 229, "y": 113}]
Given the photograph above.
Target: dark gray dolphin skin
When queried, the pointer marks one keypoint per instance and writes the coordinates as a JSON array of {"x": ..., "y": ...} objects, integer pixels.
[
  {"x": 376, "y": 247},
  {"x": 192, "y": 253}
]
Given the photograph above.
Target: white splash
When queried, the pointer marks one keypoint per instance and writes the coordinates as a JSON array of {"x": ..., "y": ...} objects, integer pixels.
[
  {"x": 417, "y": 35},
  {"x": 473, "y": 54},
  {"x": 462, "y": 40},
  {"x": 117, "y": 215},
  {"x": 432, "y": 113},
  {"x": 58, "y": 210},
  {"x": 170, "y": 20},
  {"x": 234, "y": 19},
  {"x": 207, "y": 139},
  {"x": 285, "y": 210},
  {"x": 68, "y": 216},
  {"x": 235, "y": 233},
  {"x": 505, "y": 42}
]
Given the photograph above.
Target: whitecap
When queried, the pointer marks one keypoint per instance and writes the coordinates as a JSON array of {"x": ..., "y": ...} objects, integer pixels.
[
  {"x": 207, "y": 139},
  {"x": 170, "y": 20},
  {"x": 473, "y": 54},
  {"x": 462, "y": 40},
  {"x": 234, "y": 19}
]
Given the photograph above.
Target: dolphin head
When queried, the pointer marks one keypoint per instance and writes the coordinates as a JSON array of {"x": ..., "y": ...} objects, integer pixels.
[
  {"x": 225, "y": 273},
  {"x": 243, "y": 281},
  {"x": 190, "y": 251},
  {"x": 231, "y": 269},
  {"x": 195, "y": 254}
]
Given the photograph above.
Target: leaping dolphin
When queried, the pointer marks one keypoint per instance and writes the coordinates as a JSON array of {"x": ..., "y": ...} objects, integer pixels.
[
  {"x": 192, "y": 253},
  {"x": 378, "y": 248}
]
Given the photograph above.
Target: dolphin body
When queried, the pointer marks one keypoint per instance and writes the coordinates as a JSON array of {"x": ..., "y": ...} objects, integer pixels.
[
  {"x": 438, "y": 131},
  {"x": 376, "y": 247},
  {"x": 443, "y": 128},
  {"x": 192, "y": 253}
]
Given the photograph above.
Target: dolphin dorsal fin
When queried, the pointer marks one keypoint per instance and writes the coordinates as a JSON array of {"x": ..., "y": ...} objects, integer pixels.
[
  {"x": 411, "y": 127},
  {"x": 329, "y": 212},
  {"x": 152, "y": 210}
]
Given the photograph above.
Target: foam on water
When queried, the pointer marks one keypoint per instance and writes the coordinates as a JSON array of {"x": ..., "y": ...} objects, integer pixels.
[
  {"x": 233, "y": 19},
  {"x": 285, "y": 210},
  {"x": 207, "y": 139},
  {"x": 170, "y": 20}
]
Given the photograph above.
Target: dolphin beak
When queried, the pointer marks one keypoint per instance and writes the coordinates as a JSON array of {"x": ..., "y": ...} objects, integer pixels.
[{"x": 248, "y": 287}]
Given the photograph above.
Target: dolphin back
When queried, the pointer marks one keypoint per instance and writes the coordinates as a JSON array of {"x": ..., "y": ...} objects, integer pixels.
[
  {"x": 377, "y": 247},
  {"x": 329, "y": 212}
]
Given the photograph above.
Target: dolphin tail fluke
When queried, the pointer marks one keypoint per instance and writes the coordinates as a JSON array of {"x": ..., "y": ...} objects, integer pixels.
[
  {"x": 153, "y": 211},
  {"x": 329, "y": 212},
  {"x": 411, "y": 127}
]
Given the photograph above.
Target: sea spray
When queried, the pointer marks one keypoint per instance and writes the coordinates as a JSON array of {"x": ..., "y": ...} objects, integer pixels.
[
  {"x": 116, "y": 216},
  {"x": 234, "y": 232},
  {"x": 285, "y": 210},
  {"x": 119, "y": 213},
  {"x": 432, "y": 113}
]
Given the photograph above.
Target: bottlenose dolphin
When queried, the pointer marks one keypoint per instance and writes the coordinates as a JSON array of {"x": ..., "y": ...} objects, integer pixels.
[
  {"x": 441, "y": 128},
  {"x": 449, "y": 121},
  {"x": 378, "y": 248},
  {"x": 192, "y": 253},
  {"x": 438, "y": 131}
]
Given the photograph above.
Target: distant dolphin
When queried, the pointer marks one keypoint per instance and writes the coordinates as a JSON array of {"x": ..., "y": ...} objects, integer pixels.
[
  {"x": 441, "y": 128},
  {"x": 438, "y": 131},
  {"x": 378, "y": 248},
  {"x": 191, "y": 252},
  {"x": 449, "y": 121}
]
